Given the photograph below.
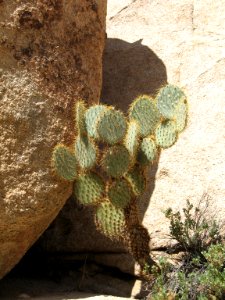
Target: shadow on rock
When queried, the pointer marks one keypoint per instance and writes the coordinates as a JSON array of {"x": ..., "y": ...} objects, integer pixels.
[{"x": 130, "y": 70}]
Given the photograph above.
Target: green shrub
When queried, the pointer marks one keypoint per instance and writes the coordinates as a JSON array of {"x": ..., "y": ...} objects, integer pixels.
[
  {"x": 205, "y": 281},
  {"x": 201, "y": 272},
  {"x": 195, "y": 232}
]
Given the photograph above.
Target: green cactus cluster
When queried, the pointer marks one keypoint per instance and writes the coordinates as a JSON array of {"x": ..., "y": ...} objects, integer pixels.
[
  {"x": 110, "y": 154},
  {"x": 110, "y": 220}
]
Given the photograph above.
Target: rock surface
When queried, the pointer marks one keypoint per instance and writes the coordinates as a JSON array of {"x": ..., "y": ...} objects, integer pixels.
[
  {"x": 151, "y": 43},
  {"x": 44, "y": 68},
  {"x": 184, "y": 44}
]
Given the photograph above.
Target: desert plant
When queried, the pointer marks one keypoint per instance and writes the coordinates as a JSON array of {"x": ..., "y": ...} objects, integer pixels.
[
  {"x": 201, "y": 273},
  {"x": 195, "y": 230},
  {"x": 196, "y": 280},
  {"x": 118, "y": 148}
]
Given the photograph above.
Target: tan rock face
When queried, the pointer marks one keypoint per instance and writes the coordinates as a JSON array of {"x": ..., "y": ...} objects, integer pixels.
[
  {"x": 50, "y": 55},
  {"x": 151, "y": 43},
  {"x": 187, "y": 40}
]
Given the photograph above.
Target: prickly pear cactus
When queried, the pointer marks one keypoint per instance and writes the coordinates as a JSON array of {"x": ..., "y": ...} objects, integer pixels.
[
  {"x": 65, "y": 162},
  {"x": 109, "y": 157},
  {"x": 92, "y": 115},
  {"x": 116, "y": 161},
  {"x": 89, "y": 188},
  {"x": 110, "y": 220},
  {"x": 147, "y": 151},
  {"x": 112, "y": 126},
  {"x": 120, "y": 193},
  {"x": 167, "y": 100},
  {"x": 137, "y": 180},
  {"x": 131, "y": 140},
  {"x": 85, "y": 152},
  {"x": 146, "y": 113}
]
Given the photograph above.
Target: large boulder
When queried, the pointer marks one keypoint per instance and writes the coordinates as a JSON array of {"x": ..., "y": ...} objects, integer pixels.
[
  {"x": 50, "y": 55},
  {"x": 151, "y": 43}
]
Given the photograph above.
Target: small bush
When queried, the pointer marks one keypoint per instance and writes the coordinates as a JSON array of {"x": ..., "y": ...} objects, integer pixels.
[
  {"x": 201, "y": 273},
  {"x": 197, "y": 230},
  {"x": 205, "y": 281}
]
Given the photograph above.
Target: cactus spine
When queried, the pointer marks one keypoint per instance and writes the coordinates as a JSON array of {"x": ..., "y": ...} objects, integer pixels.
[{"x": 126, "y": 146}]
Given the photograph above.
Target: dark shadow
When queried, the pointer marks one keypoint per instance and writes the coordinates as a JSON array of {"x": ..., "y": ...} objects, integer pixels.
[
  {"x": 130, "y": 70},
  {"x": 71, "y": 243}
]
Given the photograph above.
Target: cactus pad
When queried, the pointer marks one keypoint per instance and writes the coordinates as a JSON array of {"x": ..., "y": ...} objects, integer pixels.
[
  {"x": 80, "y": 109},
  {"x": 147, "y": 152},
  {"x": 110, "y": 220},
  {"x": 91, "y": 118},
  {"x": 120, "y": 193},
  {"x": 64, "y": 162},
  {"x": 167, "y": 100},
  {"x": 137, "y": 180},
  {"x": 145, "y": 112},
  {"x": 131, "y": 138},
  {"x": 89, "y": 188},
  {"x": 85, "y": 152},
  {"x": 112, "y": 126},
  {"x": 181, "y": 115},
  {"x": 166, "y": 134},
  {"x": 116, "y": 161}
]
